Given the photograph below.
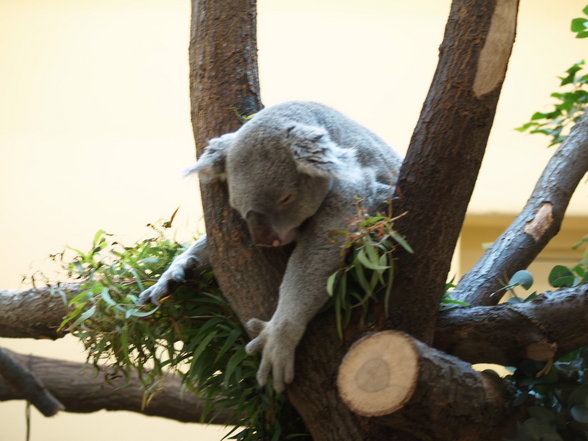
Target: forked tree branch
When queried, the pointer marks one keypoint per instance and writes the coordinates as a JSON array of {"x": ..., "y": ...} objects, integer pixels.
[{"x": 538, "y": 222}]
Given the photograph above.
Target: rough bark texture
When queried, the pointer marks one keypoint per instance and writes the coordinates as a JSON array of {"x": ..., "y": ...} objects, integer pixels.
[
  {"x": 33, "y": 313},
  {"x": 538, "y": 222},
  {"x": 548, "y": 327},
  {"x": 441, "y": 166},
  {"x": 223, "y": 85},
  {"x": 413, "y": 388},
  {"x": 23, "y": 381},
  {"x": 81, "y": 389}
]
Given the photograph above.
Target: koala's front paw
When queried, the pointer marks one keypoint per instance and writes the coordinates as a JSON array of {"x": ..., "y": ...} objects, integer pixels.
[
  {"x": 180, "y": 270},
  {"x": 277, "y": 344}
]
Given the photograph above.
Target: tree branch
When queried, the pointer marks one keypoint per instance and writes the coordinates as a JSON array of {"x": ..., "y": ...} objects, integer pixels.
[
  {"x": 551, "y": 325},
  {"x": 539, "y": 221},
  {"x": 543, "y": 329},
  {"x": 442, "y": 163},
  {"x": 23, "y": 381},
  {"x": 83, "y": 389},
  {"x": 404, "y": 384},
  {"x": 34, "y": 313}
]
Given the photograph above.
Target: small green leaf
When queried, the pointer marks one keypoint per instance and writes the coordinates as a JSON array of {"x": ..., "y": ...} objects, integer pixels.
[
  {"x": 365, "y": 261},
  {"x": 579, "y": 24},
  {"x": 521, "y": 278},
  {"x": 86, "y": 315},
  {"x": 331, "y": 282},
  {"x": 561, "y": 276},
  {"x": 401, "y": 241}
]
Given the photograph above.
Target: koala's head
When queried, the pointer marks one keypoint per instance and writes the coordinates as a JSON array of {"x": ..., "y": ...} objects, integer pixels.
[{"x": 278, "y": 175}]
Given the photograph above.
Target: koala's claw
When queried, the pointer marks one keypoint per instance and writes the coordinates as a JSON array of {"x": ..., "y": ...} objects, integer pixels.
[
  {"x": 255, "y": 326},
  {"x": 277, "y": 344},
  {"x": 175, "y": 275}
]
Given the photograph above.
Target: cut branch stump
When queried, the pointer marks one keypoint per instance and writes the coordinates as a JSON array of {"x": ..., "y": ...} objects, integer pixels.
[{"x": 412, "y": 387}]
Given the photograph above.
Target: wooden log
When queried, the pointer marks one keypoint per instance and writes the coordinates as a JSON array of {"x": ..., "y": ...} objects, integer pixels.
[{"x": 414, "y": 388}]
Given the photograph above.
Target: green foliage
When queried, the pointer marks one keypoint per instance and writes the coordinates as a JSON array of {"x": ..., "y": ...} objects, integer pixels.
[
  {"x": 558, "y": 401},
  {"x": 571, "y": 102},
  {"x": 368, "y": 270},
  {"x": 558, "y": 398},
  {"x": 568, "y": 109},
  {"x": 580, "y": 25},
  {"x": 194, "y": 334}
]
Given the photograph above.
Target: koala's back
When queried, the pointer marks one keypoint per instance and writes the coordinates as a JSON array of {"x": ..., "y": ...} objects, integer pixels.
[{"x": 369, "y": 149}]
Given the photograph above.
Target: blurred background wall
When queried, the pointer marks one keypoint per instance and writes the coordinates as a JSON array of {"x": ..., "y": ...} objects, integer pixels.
[{"x": 95, "y": 131}]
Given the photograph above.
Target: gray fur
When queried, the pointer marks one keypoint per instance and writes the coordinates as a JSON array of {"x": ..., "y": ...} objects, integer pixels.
[{"x": 293, "y": 172}]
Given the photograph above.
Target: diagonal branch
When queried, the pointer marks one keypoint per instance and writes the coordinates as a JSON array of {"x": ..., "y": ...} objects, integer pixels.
[
  {"x": 23, "y": 381},
  {"x": 82, "y": 389},
  {"x": 442, "y": 163},
  {"x": 539, "y": 221},
  {"x": 544, "y": 329}
]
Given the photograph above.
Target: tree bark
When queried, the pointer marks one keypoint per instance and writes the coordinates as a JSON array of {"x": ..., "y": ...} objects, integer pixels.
[
  {"x": 224, "y": 84},
  {"x": 538, "y": 222},
  {"x": 23, "y": 381},
  {"x": 402, "y": 383},
  {"x": 34, "y": 313},
  {"x": 441, "y": 166},
  {"x": 543, "y": 329},
  {"x": 82, "y": 389}
]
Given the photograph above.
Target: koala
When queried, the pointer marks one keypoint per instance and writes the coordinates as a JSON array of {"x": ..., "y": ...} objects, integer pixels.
[{"x": 293, "y": 173}]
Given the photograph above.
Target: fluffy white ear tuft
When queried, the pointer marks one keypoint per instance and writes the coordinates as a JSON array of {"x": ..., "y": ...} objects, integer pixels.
[
  {"x": 211, "y": 164},
  {"x": 316, "y": 154}
]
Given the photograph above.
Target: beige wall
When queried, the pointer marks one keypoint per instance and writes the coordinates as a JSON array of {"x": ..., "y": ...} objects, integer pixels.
[{"x": 94, "y": 125}]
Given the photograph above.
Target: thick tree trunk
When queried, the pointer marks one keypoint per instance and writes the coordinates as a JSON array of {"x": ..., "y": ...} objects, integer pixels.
[{"x": 224, "y": 84}]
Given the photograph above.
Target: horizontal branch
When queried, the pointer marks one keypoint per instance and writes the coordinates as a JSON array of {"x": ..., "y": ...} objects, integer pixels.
[
  {"x": 83, "y": 389},
  {"x": 551, "y": 325},
  {"x": 405, "y": 384},
  {"x": 539, "y": 221},
  {"x": 34, "y": 313},
  {"x": 543, "y": 329}
]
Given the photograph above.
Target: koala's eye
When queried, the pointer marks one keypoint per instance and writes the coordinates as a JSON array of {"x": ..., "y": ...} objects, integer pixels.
[{"x": 285, "y": 199}]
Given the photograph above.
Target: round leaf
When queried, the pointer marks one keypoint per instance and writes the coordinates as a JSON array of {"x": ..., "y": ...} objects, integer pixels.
[{"x": 523, "y": 278}]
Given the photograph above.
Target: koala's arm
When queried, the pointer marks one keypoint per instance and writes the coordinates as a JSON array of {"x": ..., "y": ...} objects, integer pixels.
[
  {"x": 184, "y": 267},
  {"x": 302, "y": 294}
]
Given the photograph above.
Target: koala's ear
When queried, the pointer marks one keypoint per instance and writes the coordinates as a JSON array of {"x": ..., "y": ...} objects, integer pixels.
[
  {"x": 316, "y": 154},
  {"x": 211, "y": 164}
]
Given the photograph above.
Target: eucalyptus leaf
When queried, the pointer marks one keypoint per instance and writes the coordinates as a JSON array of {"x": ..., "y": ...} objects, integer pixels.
[{"x": 521, "y": 278}]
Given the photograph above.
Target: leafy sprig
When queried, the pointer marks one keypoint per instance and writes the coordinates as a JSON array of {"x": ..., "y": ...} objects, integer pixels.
[
  {"x": 194, "y": 334},
  {"x": 368, "y": 269}
]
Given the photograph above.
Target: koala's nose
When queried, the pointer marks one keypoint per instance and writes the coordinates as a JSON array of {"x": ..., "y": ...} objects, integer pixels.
[{"x": 261, "y": 230}]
